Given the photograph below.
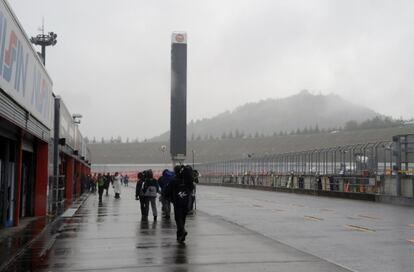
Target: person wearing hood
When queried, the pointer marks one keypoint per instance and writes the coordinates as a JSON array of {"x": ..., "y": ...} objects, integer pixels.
[
  {"x": 117, "y": 185},
  {"x": 139, "y": 195},
  {"x": 179, "y": 192},
  {"x": 150, "y": 190},
  {"x": 163, "y": 182}
]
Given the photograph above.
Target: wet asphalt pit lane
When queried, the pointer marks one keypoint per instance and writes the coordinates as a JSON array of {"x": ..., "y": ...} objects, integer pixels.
[{"x": 152, "y": 245}]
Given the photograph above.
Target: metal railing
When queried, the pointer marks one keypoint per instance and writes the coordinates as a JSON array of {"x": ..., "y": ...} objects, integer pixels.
[
  {"x": 358, "y": 159},
  {"x": 357, "y": 168}
]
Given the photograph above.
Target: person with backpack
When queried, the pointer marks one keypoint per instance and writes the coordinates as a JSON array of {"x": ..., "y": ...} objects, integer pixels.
[
  {"x": 163, "y": 182},
  {"x": 150, "y": 191},
  {"x": 179, "y": 192},
  {"x": 139, "y": 195}
]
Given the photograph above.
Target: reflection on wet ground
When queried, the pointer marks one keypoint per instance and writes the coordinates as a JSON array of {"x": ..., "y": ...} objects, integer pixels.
[{"x": 112, "y": 237}]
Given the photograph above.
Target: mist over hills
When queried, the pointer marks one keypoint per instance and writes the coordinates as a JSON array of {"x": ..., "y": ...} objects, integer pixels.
[
  {"x": 301, "y": 111},
  {"x": 218, "y": 149},
  {"x": 254, "y": 121}
]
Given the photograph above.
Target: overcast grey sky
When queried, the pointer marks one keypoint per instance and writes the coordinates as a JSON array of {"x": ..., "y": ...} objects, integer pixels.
[{"x": 112, "y": 59}]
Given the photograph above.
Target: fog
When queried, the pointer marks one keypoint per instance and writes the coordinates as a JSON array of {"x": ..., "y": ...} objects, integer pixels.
[{"x": 112, "y": 59}]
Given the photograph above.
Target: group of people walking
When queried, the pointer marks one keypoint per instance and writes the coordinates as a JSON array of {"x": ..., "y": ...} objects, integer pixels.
[
  {"x": 175, "y": 188},
  {"x": 103, "y": 182}
]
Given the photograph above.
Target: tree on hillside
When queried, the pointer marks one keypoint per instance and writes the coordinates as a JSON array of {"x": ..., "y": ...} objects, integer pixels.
[
  {"x": 351, "y": 125},
  {"x": 94, "y": 140},
  {"x": 380, "y": 122},
  {"x": 102, "y": 140},
  {"x": 237, "y": 134}
]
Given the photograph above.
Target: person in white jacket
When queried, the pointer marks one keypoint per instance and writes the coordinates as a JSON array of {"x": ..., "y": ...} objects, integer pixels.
[{"x": 117, "y": 185}]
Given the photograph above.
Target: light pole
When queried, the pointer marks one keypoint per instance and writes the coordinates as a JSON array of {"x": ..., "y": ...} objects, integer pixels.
[
  {"x": 76, "y": 118},
  {"x": 163, "y": 149},
  {"x": 193, "y": 153},
  {"x": 44, "y": 40}
]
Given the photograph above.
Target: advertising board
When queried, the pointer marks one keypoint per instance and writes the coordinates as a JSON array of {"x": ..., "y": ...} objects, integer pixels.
[{"x": 22, "y": 75}]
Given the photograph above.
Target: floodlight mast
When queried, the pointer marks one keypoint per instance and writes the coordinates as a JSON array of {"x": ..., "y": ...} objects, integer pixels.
[{"x": 44, "y": 40}]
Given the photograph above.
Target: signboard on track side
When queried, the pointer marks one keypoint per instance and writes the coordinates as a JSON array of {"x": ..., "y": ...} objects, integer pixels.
[{"x": 22, "y": 75}]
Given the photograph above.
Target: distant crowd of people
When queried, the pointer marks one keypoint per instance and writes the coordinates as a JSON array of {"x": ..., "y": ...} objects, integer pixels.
[
  {"x": 102, "y": 182},
  {"x": 173, "y": 187}
]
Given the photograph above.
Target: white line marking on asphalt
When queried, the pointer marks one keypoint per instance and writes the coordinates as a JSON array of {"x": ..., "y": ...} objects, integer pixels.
[
  {"x": 327, "y": 210},
  {"x": 369, "y": 216},
  {"x": 359, "y": 228},
  {"x": 312, "y": 218}
]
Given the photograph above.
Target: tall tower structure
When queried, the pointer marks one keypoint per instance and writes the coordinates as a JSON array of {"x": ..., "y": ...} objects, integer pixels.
[{"x": 178, "y": 129}]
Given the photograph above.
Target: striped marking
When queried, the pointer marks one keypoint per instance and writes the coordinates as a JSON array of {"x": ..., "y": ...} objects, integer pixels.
[
  {"x": 327, "y": 210},
  {"x": 297, "y": 205},
  {"x": 359, "y": 228},
  {"x": 258, "y": 206},
  {"x": 312, "y": 218},
  {"x": 278, "y": 210},
  {"x": 368, "y": 216}
]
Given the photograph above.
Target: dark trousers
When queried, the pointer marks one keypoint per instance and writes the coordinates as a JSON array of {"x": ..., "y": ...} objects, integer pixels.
[
  {"x": 180, "y": 213},
  {"x": 147, "y": 202},
  {"x": 100, "y": 192},
  {"x": 166, "y": 206},
  {"x": 144, "y": 206}
]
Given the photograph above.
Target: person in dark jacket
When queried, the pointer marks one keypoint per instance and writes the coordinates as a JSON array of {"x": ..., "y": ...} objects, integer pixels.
[
  {"x": 108, "y": 180},
  {"x": 179, "y": 192},
  {"x": 139, "y": 195},
  {"x": 151, "y": 190},
  {"x": 163, "y": 182},
  {"x": 100, "y": 182}
]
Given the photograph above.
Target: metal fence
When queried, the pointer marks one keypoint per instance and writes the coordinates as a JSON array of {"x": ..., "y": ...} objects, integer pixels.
[
  {"x": 349, "y": 168},
  {"x": 359, "y": 159}
]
